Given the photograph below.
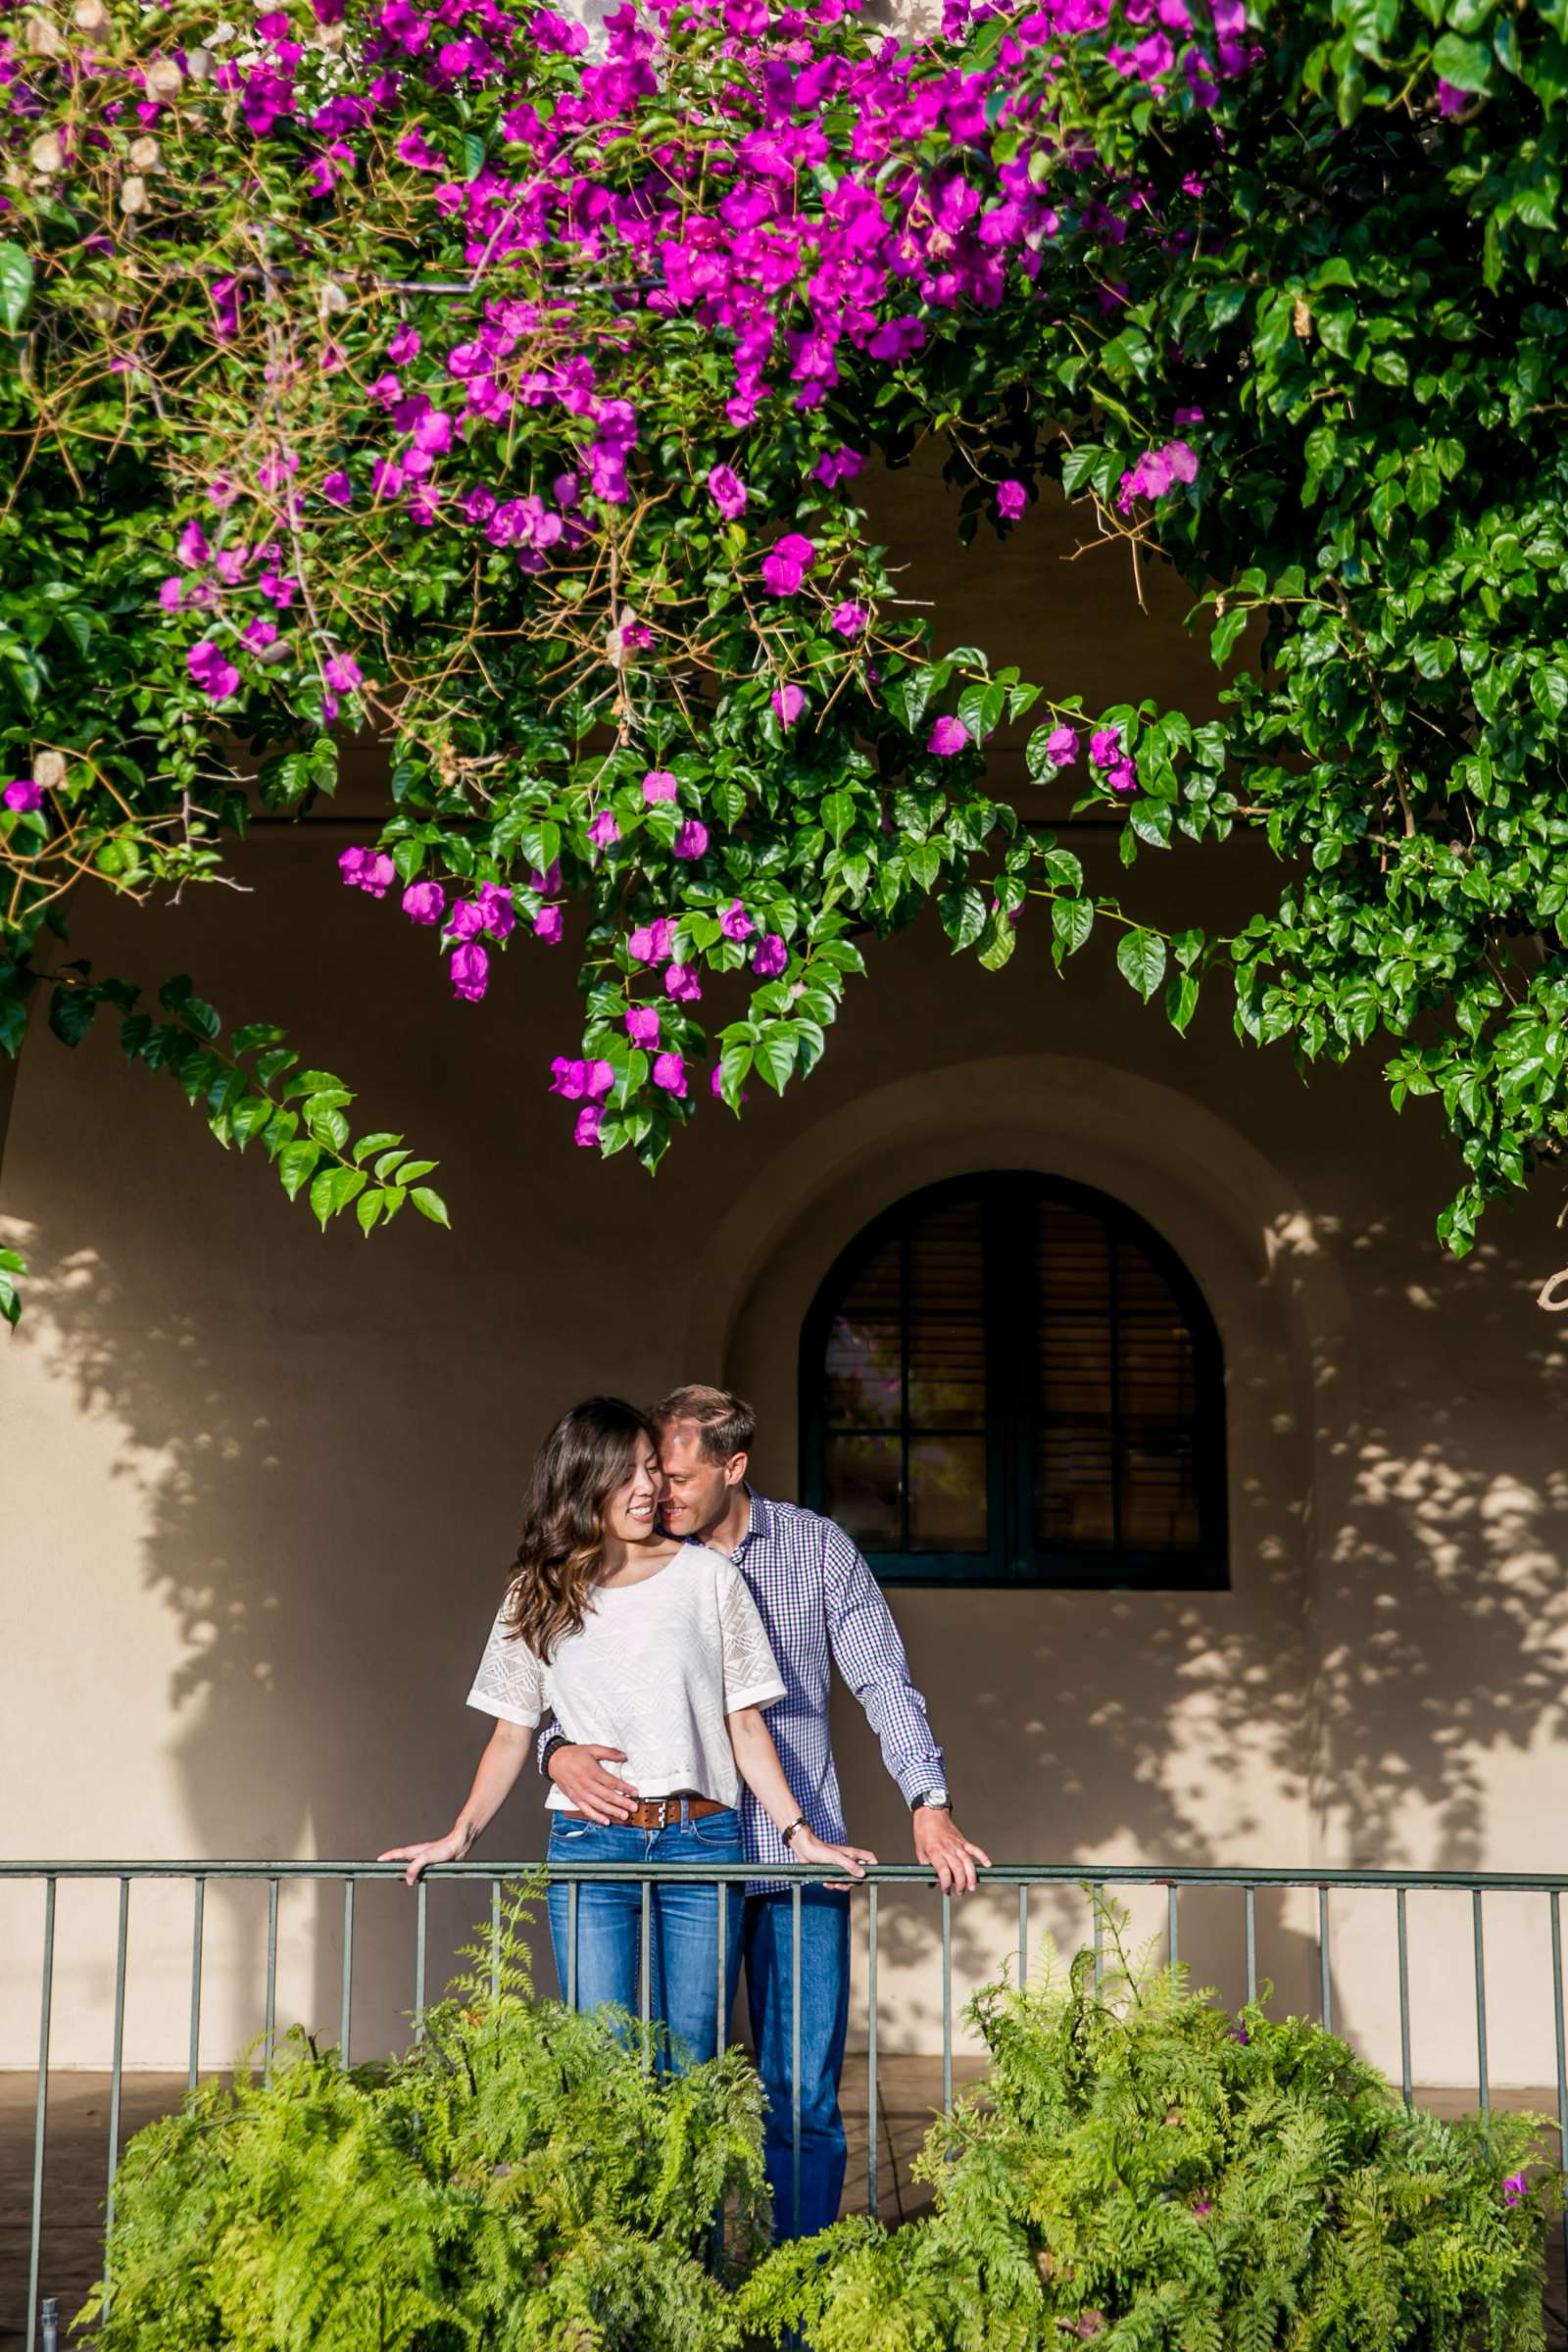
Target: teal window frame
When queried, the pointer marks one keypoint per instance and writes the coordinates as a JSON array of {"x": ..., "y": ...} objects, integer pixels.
[{"x": 1006, "y": 1199}]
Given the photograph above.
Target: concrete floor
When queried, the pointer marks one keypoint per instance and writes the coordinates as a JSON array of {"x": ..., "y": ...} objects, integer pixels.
[{"x": 908, "y": 2094}]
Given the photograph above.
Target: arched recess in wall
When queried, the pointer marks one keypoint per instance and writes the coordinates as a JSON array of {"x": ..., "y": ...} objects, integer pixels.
[{"x": 1229, "y": 1215}]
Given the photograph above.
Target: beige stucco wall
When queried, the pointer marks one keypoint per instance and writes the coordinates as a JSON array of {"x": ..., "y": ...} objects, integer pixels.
[{"x": 260, "y": 1483}]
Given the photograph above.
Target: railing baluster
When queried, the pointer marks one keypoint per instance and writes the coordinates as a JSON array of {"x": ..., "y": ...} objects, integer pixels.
[
  {"x": 40, "y": 2112},
  {"x": 795, "y": 2059},
  {"x": 1172, "y": 1931},
  {"x": 1404, "y": 1997},
  {"x": 1562, "y": 2054},
  {"x": 721, "y": 1989},
  {"x": 345, "y": 2021},
  {"x": 1324, "y": 1971},
  {"x": 647, "y": 1990},
  {"x": 1023, "y": 1935},
  {"x": 1249, "y": 1901},
  {"x": 116, "y": 2069},
  {"x": 870, "y": 2053},
  {"x": 197, "y": 1909},
  {"x": 420, "y": 1921},
  {"x": 572, "y": 1944},
  {"x": 1481, "y": 2002},
  {"x": 1100, "y": 1935},
  {"x": 495, "y": 1940},
  {"x": 270, "y": 2029},
  {"x": 947, "y": 2003}
]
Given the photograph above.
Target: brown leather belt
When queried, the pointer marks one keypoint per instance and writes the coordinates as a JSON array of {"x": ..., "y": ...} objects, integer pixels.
[{"x": 658, "y": 1812}]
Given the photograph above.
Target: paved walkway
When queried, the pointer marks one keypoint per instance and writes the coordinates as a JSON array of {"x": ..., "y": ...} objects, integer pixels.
[{"x": 908, "y": 2092}]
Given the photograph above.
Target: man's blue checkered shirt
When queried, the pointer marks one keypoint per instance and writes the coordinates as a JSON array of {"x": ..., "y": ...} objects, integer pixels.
[{"x": 822, "y": 1607}]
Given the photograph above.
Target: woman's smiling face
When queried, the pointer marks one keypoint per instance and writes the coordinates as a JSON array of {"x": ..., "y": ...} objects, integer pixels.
[{"x": 631, "y": 1509}]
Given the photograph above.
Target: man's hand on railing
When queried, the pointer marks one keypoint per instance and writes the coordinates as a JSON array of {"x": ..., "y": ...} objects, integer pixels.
[
  {"x": 578, "y": 1772},
  {"x": 453, "y": 1847},
  {"x": 941, "y": 1845}
]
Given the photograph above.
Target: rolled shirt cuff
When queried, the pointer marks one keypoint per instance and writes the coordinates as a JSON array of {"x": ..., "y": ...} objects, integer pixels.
[{"x": 930, "y": 1772}]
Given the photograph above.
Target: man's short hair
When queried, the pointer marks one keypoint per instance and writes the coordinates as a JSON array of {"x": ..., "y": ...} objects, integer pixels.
[{"x": 727, "y": 1422}]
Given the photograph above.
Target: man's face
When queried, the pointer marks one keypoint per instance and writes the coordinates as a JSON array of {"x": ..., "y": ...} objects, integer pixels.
[{"x": 695, "y": 1491}]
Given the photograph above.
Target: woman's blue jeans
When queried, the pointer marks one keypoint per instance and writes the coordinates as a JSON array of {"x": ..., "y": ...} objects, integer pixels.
[{"x": 692, "y": 1973}]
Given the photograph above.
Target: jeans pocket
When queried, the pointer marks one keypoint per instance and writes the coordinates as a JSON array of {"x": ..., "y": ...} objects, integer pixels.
[{"x": 720, "y": 1831}]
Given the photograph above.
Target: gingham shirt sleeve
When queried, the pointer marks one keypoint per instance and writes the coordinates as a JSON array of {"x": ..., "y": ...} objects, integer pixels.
[
  {"x": 510, "y": 1683},
  {"x": 868, "y": 1651}
]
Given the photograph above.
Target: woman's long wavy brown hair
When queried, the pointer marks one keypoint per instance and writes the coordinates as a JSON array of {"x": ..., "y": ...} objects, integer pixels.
[{"x": 586, "y": 1457}]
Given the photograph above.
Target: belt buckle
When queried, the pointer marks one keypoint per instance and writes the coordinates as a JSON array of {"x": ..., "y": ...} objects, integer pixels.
[{"x": 663, "y": 1803}]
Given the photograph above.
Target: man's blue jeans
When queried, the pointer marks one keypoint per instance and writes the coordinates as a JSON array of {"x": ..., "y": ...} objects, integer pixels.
[
  {"x": 688, "y": 1969},
  {"x": 768, "y": 1947}
]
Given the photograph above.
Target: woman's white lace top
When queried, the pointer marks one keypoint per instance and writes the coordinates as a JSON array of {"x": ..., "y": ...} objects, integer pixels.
[{"x": 654, "y": 1671}]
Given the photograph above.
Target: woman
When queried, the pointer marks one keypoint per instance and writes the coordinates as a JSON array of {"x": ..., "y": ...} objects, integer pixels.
[{"x": 652, "y": 1649}]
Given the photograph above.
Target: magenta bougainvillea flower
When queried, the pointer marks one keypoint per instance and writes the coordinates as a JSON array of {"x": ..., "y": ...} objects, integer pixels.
[
  {"x": 652, "y": 943},
  {"x": 787, "y": 562},
  {"x": 769, "y": 956},
  {"x": 604, "y": 832},
  {"x": 371, "y": 870},
  {"x": 692, "y": 839},
  {"x": 424, "y": 902},
  {"x": 727, "y": 492},
  {"x": 948, "y": 737},
  {"x": 669, "y": 1072},
  {"x": 22, "y": 796},
  {"x": 682, "y": 983},
  {"x": 470, "y": 970},
  {"x": 659, "y": 785},
  {"x": 550, "y": 925},
  {"x": 642, "y": 1025},
  {"x": 788, "y": 702},
  {"x": 735, "y": 923},
  {"x": 1012, "y": 500}
]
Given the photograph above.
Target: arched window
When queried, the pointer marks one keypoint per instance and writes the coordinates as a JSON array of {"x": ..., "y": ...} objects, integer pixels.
[{"x": 1012, "y": 1379}]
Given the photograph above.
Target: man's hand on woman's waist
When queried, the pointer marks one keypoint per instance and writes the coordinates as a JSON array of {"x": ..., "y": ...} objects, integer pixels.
[{"x": 578, "y": 1772}]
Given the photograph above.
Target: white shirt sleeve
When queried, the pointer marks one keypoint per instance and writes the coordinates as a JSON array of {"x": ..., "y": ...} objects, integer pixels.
[
  {"x": 751, "y": 1678},
  {"x": 510, "y": 1680}
]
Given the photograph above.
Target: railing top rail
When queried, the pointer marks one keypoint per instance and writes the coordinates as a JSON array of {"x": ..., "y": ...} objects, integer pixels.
[{"x": 882, "y": 1874}]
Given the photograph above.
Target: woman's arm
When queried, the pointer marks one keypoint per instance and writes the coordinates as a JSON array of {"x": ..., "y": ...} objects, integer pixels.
[
  {"x": 505, "y": 1754},
  {"x": 758, "y": 1761}
]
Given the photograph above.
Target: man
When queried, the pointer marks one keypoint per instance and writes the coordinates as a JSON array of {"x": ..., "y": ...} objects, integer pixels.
[{"x": 822, "y": 1608}]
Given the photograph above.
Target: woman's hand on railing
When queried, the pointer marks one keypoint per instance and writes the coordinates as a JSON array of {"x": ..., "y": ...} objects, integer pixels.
[
  {"x": 806, "y": 1846},
  {"x": 449, "y": 1849}
]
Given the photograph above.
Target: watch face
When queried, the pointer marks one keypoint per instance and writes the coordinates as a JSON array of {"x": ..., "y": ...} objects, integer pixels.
[{"x": 937, "y": 1797}]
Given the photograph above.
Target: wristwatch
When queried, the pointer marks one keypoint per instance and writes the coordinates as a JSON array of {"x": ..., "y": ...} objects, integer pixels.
[{"x": 933, "y": 1801}]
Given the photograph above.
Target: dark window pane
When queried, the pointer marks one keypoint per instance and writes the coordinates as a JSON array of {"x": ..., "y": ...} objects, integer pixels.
[
  {"x": 1159, "y": 1500},
  {"x": 861, "y": 1482},
  {"x": 948, "y": 1373},
  {"x": 948, "y": 1494},
  {"x": 877, "y": 1289},
  {"x": 863, "y": 1374},
  {"x": 947, "y": 1270},
  {"x": 1073, "y": 1485}
]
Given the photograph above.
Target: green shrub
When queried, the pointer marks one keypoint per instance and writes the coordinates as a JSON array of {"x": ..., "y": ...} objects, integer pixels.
[
  {"x": 518, "y": 2180},
  {"x": 1141, "y": 2171}
]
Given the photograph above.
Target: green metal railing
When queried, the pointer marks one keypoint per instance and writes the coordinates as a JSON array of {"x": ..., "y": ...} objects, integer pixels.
[{"x": 1099, "y": 1879}]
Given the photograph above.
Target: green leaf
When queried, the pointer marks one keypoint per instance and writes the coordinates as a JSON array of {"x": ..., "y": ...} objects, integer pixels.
[
  {"x": 964, "y": 916},
  {"x": 1181, "y": 999},
  {"x": 1140, "y": 962},
  {"x": 374, "y": 1143},
  {"x": 431, "y": 1205},
  {"x": 296, "y": 1162},
  {"x": 1466, "y": 64},
  {"x": 16, "y": 292},
  {"x": 1071, "y": 921},
  {"x": 71, "y": 1013}
]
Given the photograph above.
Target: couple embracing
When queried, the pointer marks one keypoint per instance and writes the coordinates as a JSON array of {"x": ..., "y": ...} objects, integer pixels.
[{"x": 674, "y": 1633}]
